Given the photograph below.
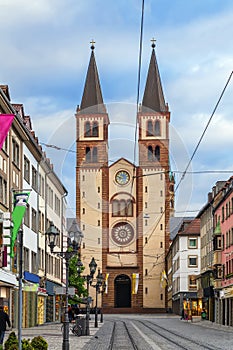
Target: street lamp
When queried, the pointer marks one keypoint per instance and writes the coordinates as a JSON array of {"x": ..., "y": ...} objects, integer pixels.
[
  {"x": 88, "y": 279},
  {"x": 99, "y": 281},
  {"x": 73, "y": 243}
]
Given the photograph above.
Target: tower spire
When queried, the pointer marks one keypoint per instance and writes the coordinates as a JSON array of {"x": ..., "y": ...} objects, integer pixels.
[
  {"x": 92, "y": 99},
  {"x": 153, "y": 95}
]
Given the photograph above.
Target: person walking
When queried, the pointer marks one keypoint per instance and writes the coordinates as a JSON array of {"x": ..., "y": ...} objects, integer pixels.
[{"x": 4, "y": 319}]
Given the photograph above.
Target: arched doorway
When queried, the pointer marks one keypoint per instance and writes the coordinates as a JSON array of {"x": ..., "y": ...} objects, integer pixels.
[{"x": 122, "y": 287}]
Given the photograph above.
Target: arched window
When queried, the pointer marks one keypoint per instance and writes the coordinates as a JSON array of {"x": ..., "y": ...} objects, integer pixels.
[
  {"x": 157, "y": 153},
  {"x": 122, "y": 207},
  {"x": 150, "y": 153},
  {"x": 95, "y": 155},
  {"x": 88, "y": 154},
  {"x": 149, "y": 130},
  {"x": 115, "y": 207},
  {"x": 157, "y": 128},
  {"x": 129, "y": 208},
  {"x": 95, "y": 129},
  {"x": 87, "y": 129}
]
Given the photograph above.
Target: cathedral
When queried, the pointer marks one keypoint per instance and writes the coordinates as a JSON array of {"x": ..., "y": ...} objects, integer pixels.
[{"x": 123, "y": 209}]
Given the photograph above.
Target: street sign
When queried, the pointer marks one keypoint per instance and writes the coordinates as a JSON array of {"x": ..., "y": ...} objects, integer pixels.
[{"x": 62, "y": 290}]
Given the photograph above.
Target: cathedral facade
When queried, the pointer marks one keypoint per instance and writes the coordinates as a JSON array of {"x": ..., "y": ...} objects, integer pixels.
[{"x": 123, "y": 209}]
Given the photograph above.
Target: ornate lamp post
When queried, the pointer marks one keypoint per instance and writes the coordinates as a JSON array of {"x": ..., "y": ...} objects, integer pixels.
[
  {"x": 88, "y": 279},
  {"x": 99, "y": 281},
  {"x": 73, "y": 246}
]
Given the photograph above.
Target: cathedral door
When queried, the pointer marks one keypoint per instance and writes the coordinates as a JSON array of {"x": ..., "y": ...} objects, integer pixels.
[{"x": 122, "y": 291}]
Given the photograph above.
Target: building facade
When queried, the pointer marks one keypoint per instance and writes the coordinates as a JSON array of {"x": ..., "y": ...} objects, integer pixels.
[
  {"x": 186, "y": 268},
  {"x": 223, "y": 251},
  {"x": 23, "y": 167},
  {"x": 123, "y": 209}
]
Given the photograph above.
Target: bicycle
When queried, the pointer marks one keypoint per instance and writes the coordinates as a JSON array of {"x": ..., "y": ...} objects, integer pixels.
[{"x": 76, "y": 329}]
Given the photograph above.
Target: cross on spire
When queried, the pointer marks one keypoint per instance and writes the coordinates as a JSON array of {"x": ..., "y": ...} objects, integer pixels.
[
  {"x": 92, "y": 44},
  {"x": 153, "y": 40}
]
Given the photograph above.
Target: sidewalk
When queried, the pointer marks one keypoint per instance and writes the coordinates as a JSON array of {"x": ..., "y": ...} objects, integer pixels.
[{"x": 53, "y": 335}]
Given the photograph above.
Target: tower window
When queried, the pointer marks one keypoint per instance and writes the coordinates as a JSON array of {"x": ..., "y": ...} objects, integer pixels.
[
  {"x": 98, "y": 222},
  {"x": 91, "y": 129},
  {"x": 146, "y": 240},
  {"x": 146, "y": 272},
  {"x": 157, "y": 153},
  {"x": 161, "y": 244},
  {"x": 145, "y": 205},
  {"x": 98, "y": 189},
  {"x": 95, "y": 129},
  {"x": 88, "y": 154},
  {"x": 98, "y": 205},
  {"x": 146, "y": 189},
  {"x": 94, "y": 155},
  {"x": 146, "y": 290},
  {"x": 91, "y": 155},
  {"x": 157, "y": 128},
  {"x": 150, "y": 153},
  {"x": 84, "y": 211},
  {"x": 149, "y": 129},
  {"x": 161, "y": 226},
  {"x": 87, "y": 129}
]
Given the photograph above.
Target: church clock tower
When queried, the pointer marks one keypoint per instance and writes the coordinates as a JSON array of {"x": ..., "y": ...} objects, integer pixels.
[{"x": 123, "y": 209}]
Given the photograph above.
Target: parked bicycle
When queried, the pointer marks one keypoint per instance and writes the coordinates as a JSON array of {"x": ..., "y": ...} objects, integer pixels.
[{"x": 74, "y": 328}]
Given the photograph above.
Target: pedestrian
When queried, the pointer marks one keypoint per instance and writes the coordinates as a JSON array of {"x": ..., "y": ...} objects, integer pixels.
[
  {"x": 70, "y": 313},
  {"x": 182, "y": 314},
  {"x": 4, "y": 319}
]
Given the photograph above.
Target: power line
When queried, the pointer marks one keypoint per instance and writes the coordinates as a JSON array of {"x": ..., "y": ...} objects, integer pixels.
[
  {"x": 199, "y": 142},
  {"x": 138, "y": 91}
]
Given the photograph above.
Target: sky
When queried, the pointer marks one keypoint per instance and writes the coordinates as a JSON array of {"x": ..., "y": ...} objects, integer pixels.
[{"x": 45, "y": 51}]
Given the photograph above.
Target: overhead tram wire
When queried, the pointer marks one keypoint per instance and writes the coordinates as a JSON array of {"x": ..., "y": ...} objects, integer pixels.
[
  {"x": 195, "y": 150},
  {"x": 207, "y": 125},
  {"x": 138, "y": 91}
]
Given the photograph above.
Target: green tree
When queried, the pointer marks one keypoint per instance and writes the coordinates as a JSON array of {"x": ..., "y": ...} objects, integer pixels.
[{"x": 76, "y": 281}]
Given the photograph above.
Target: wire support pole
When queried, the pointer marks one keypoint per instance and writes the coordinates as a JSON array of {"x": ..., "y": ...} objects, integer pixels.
[{"x": 20, "y": 291}]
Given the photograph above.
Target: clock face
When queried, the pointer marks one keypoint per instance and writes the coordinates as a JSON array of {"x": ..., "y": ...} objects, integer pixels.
[
  {"x": 122, "y": 177},
  {"x": 122, "y": 233}
]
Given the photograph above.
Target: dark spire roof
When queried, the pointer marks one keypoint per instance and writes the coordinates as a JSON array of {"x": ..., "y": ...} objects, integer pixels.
[
  {"x": 92, "y": 100},
  {"x": 153, "y": 95}
]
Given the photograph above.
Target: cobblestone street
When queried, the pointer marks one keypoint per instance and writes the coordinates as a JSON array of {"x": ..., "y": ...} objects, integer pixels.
[{"x": 144, "y": 331}]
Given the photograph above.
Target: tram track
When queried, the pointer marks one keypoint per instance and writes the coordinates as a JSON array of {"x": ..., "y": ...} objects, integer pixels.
[
  {"x": 181, "y": 341},
  {"x": 122, "y": 335}
]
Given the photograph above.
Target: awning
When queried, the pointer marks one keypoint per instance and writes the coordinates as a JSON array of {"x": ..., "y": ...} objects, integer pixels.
[{"x": 7, "y": 279}]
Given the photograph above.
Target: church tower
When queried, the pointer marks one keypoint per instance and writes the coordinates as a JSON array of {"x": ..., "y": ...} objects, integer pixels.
[
  {"x": 92, "y": 166},
  {"x": 156, "y": 190},
  {"x": 124, "y": 209}
]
